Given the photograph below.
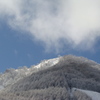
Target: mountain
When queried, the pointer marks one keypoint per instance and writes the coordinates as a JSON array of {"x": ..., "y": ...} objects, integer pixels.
[
  {"x": 11, "y": 76},
  {"x": 63, "y": 78}
]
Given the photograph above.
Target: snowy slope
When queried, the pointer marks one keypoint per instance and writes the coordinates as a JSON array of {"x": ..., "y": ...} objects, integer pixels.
[
  {"x": 11, "y": 76},
  {"x": 70, "y": 71},
  {"x": 92, "y": 94},
  {"x": 47, "y": 63}
]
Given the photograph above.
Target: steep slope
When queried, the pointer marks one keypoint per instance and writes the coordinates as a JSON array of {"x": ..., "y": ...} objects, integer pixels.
[{"x": 57, "y": 82}]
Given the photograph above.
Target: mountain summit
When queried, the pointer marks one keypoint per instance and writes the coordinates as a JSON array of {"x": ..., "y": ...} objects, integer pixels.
[{"x": 63, "y": 78}]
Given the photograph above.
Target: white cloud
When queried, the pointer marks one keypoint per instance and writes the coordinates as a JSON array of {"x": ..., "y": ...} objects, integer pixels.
[{"x": 54, "y": 22}]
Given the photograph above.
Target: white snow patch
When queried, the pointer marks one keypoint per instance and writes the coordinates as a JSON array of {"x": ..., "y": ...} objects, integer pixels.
[
  {"x": 92, "y": 94},
  {"x": 16, "y": 70},
  {"x": 38, "y": 66},
  {"x": 96, "y": 66},
  {"x": 47, "y": 63},
  {"x": 28, "y": 69}
]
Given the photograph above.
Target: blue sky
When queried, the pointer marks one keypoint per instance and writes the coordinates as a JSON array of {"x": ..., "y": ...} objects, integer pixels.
[{"x": 31, "y": 31}]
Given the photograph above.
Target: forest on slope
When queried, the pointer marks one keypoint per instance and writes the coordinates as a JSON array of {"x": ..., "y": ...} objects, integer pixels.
[{"x": 57, "y": 82}]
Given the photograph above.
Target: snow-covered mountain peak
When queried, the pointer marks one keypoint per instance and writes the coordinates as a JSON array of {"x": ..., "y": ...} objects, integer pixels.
[
  {"x": 11, "y": 76},
  {"x": 47, "y": 63},
  {"x": 73, "y": 77}
]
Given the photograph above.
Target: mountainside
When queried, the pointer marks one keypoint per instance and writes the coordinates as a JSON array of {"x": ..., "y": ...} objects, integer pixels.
[
  {"x": 64, "y": 78},
  {"x": 11, "y": 76}
]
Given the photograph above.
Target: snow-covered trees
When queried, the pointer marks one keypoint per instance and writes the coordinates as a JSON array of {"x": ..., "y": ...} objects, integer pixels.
[
  {"x": 52, "y": 93},
  {"x": 54, "y": 83}
]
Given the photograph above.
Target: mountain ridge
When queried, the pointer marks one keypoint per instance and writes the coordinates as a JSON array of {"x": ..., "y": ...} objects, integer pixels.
[
  {"x": 15, "y": 75},
  {"x": 62, "y": 74}
]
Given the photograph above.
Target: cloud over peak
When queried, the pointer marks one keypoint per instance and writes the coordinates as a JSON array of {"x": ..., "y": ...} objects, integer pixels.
[{"x": 55, "y": 22}]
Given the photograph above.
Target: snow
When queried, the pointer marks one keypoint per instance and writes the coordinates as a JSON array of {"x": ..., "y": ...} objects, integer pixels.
[
  {"x": 96, "y": 66},
  {"x": 16, "y": 70},
  {"x": 47, "y": 63},
  {"x": 92, "y": 94},
  {"x": 38, "y": 66},
  {"x": 11, "y": 76}
]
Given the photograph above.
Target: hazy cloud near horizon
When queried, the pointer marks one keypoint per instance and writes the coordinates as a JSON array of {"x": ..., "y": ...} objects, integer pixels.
[{"x": 74, "y": 23}]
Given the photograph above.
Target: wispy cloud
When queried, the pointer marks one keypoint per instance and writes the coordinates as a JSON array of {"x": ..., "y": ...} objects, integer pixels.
[{"x": 74, "y": 23}]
